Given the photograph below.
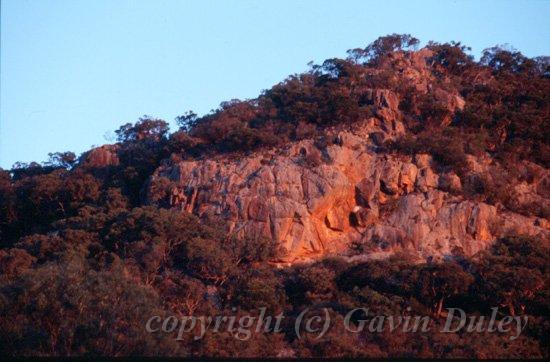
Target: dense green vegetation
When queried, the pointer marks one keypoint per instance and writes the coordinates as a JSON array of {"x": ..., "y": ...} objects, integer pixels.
[{"x": 84, "y": 262}]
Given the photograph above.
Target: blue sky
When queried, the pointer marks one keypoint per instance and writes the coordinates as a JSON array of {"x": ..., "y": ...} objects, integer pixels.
[{"x": 73, "y": 71}]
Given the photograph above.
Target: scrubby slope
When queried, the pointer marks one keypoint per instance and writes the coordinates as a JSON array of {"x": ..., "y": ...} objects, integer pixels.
[{"x": 426, "y": 161}]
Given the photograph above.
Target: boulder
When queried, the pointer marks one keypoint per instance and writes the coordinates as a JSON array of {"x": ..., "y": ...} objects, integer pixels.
[{"x": 102, "y": 156}]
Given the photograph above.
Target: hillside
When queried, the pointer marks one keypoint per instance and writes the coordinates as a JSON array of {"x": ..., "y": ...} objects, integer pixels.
[{"x": 400, "y": 178}]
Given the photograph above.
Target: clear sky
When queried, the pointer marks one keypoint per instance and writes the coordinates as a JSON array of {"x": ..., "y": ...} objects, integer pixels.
[{"x": 73, "y": 71}]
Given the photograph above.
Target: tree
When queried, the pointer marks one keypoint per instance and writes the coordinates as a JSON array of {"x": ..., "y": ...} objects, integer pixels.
[
  {"x": 205, "y": 259},
  {"x": 260, "y": 288},
  {"x": 61, "y": 159},
  {"x": 510, "y": 287},
  {"x": 438, "y": 282},
  {"x": 543, "y": 65},
  {"x": 8, "y": 209},
  {"x": 184, "y": 295},
  {"x": 392, "y": 276},
  {"x": 511, "y": 274},
  {"x": 146, "y": 128},
  {"x": 14, "y": 262},
  {"x": 79, "y": 189},
  {"x": 153, "y": 238},
  {"x": 187, "y": 121},
  {"x": 311, "y": 284},
  {"x": 337, "y": 342},
  {"x": 389, "y": 44},
  {"x": 452, "y": 56},
  {"x": 507, "y": 59},
  {"x": 20, "y": 170},
  {"x": 70, "y": 309},
  {"x": 181, "y": 142},
  {"x": 39, "y": 200}
]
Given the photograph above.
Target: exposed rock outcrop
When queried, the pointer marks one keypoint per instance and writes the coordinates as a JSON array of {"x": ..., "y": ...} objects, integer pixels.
[
  {"x": 385, "y": 202},
  {"x": 318, "y": 198},
  {"x": 101, "y": 156}
]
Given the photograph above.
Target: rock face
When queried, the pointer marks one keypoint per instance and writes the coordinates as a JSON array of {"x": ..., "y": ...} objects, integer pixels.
[
  {"x": 101, "y": 156},
  {"x": 356, "y": 195},
  {"x": 317, "y": 198},
  {"x": 351, "y": 195}
]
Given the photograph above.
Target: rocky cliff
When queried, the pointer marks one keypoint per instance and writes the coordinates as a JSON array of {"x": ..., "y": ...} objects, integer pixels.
[
  {"x": 340, "y": 192},
  {"x": 344, "y": 193}
]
